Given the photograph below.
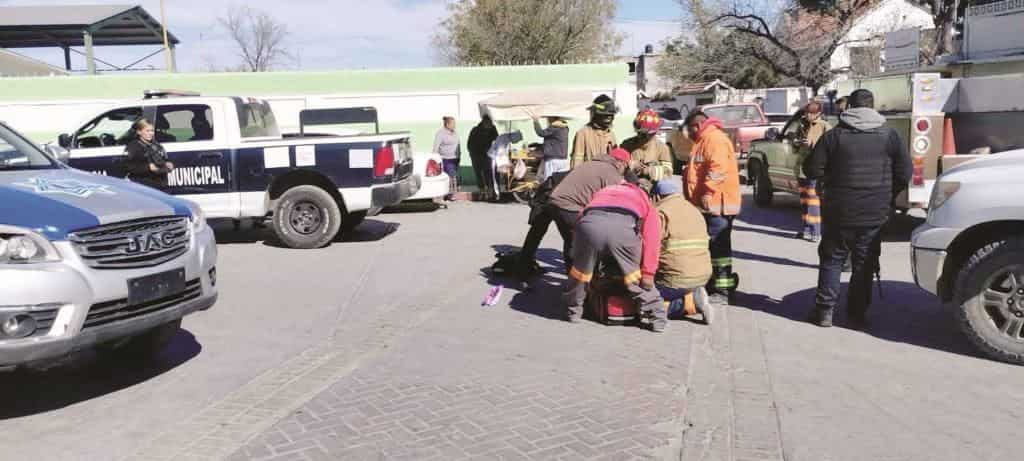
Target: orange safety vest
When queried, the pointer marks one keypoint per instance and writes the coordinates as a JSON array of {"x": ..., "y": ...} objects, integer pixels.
[{"x": 713, "y": 178}]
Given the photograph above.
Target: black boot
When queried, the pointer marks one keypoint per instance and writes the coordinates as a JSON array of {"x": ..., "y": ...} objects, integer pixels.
[{"x": 821, "y": 317}]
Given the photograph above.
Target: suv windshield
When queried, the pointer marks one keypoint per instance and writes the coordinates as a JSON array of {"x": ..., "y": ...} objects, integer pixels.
[
  {"x": 18, "y": 153},
  {"x": 256, "y": 119}
]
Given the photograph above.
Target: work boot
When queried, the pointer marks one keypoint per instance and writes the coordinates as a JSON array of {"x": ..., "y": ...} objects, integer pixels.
[
  {"x": 575, "y": 316},
  {"x": 821, "y": 317}
]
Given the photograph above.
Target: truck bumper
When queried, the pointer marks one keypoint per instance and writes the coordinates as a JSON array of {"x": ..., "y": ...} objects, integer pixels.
[
  {"x": 928, "y": 251},
  {"x": 69, "y": 289},
  {"x": 392, "y": 194}
]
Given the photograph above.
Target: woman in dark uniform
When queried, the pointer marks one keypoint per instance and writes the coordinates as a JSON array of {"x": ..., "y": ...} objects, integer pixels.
[{"x": 146, "y": 160}]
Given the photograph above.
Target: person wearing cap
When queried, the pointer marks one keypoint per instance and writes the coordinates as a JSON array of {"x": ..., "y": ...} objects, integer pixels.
[
  {"x": 685, "y": 263},
  {"x": 651, "y": 158},
  {"x": 596, "y": 138},
  {"x": 565, "y": 202},
  {"x": 812, "y": 128},
  {"x": 619, "y": 225},
  {"x": 713, "y": 186}
]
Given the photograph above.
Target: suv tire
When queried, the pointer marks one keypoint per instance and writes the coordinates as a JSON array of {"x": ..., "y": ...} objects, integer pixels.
[
  {"x": 989, "y": 293},
  {"x": 763, "y": 192},
  {"x": 306, "y": 217}
]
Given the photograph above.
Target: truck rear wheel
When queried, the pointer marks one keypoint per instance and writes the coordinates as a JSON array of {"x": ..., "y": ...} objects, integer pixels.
[
  {"x": 306, "y": 217},
  {"x": 990, "y": 296},
  {"x": 763, "y": 192}
]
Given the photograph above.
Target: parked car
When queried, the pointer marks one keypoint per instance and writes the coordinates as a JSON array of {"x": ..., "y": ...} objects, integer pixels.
[
  {"x": 970, "y": 252},
  {"x": 231, "y": 159},
  {"x": 434, "y": 182},
  {"x": 87, "y": 260},
  {"x": 744, "y": 122}
]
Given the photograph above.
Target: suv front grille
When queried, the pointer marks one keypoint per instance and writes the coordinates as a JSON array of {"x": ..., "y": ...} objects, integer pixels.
[
  {"x": 133, "y": 244},
  {"x": 119, "y": 309}
]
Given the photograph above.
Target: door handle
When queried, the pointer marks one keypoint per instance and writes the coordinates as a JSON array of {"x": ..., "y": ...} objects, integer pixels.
[{"x": 211, "y": 155}]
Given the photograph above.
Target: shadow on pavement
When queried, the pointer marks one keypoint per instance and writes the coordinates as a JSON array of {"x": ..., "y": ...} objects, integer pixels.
[
  {"x": 773, "y": 260},
  {"x": 904, "y": 314},
  {"x": 418, "y": 206},
  {"x": 87, "y": 375},
  {"x": 371, "y": 230},
  {"x": 541, "y": 295}
]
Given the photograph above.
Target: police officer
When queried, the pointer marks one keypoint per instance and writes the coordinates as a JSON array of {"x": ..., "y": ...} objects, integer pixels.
[
  {"x": 145, "y": 159},
  {"x": 864, "y": 165}
]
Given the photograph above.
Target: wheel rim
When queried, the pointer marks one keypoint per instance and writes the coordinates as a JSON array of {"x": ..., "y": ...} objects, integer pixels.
[
  {"x": 1003, "y": 302},
  {"x": 305, "y": 218}
]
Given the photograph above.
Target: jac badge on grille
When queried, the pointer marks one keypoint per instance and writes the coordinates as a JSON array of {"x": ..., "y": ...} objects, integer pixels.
[{"x": 156, "y": 241}]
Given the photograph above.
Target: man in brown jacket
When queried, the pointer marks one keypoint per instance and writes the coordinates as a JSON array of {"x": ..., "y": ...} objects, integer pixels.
[
  {"x": 685, "y": 264},
  {"x": 596, "y": 138},
  {"x": 567, "y": 200}
]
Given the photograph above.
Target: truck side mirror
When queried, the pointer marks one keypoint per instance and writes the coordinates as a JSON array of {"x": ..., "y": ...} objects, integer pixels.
[
  {"x": 772, "y": 134},
  {"x": 58, "y": 152},
  {"x": 64, "y": 140}
]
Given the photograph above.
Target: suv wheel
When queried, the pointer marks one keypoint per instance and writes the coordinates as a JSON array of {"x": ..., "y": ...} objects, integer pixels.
[
  {"x": 306, "y": 217},
  {"x": 763, "y": 192},
  {"x": 990, "y": 295}
]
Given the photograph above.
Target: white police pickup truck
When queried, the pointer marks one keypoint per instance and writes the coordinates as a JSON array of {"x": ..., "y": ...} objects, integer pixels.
[
  {"x": 88, "y": 261},
  {"x": 231, "y": 159}
]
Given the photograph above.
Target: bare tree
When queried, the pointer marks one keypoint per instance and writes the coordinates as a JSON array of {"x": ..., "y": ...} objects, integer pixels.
[
  {"x": 260, "y": 38},
  {"x": 527, "y": 31}
]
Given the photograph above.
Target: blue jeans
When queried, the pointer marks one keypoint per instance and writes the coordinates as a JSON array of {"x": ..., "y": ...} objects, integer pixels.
[{"x": 451, "y": 168}]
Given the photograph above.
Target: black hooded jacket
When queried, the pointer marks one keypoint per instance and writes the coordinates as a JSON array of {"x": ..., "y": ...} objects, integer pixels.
[{"x": 864, "y": 165}]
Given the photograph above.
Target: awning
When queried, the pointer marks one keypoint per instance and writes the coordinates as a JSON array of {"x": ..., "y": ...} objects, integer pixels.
[{"x": 517, "y": 105}]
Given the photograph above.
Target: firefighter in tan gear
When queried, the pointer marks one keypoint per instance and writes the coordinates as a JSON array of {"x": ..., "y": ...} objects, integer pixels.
[
  {"x": 596, "y": 138},
  {"x": 684, "y": 266},
  {"x": 651, "y": 158}
]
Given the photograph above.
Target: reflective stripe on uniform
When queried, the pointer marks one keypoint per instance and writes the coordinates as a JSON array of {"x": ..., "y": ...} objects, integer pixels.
[
  {"x": 576, "y": 274},
  {"x": 725, "y": 282},
  {"x": 811, "y": 201},
  {"x": 811, "y": 219},
  {"x": 680, "y": 244},
  {"x": 633, "y": 277},
  {"x": 721, "y": 262}
]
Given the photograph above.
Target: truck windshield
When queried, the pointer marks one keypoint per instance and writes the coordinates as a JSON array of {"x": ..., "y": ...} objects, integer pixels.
[
  {"x": 18, "y": 153},
  {"x": 734, "y": 114},
  {"x": 256, "y": 119}
]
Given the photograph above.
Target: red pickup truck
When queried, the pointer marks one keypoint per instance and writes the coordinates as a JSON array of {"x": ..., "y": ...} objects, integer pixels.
[{"x": 743, "y": 121}]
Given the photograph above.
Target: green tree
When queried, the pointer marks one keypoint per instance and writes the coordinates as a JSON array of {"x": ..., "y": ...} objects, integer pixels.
[{"x": 527, "y": 31}]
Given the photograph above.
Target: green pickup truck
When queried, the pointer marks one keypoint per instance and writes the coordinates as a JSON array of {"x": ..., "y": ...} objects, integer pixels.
[{"x": 773, "y": 163}]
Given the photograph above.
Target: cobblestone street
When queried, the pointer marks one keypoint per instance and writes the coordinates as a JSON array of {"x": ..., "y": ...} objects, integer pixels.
[{"x": 377, "y": 348}]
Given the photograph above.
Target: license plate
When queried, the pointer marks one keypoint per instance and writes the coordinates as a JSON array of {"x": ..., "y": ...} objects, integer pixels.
[{"x": 157, "y": 286}]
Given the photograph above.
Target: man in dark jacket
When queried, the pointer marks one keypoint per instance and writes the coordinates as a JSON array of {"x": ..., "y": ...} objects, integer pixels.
[
  {"x": 864, "y": 166},
  {"x": 566, "y": 201},
  {"x": 480, "y": 139}
]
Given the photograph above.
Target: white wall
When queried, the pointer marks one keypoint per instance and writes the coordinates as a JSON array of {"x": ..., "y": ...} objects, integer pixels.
[
  {"x": 776, "y": 100},
  {"x": 870, "y": 30}
]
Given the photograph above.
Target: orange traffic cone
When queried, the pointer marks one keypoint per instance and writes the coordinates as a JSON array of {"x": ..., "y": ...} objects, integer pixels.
[{"x": 948, "y": 140}]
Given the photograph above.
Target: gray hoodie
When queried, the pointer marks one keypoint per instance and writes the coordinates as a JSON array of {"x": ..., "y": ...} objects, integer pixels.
[{"x": 862, "y": 119}]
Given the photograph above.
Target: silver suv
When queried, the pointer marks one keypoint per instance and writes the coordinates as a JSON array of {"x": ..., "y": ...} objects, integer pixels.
[
  {"x": 971, "y": 251},
  {"x": 87, "y": 260}
]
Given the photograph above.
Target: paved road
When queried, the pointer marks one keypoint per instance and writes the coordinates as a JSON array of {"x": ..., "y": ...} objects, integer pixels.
[{"x": 376, "y": 348}]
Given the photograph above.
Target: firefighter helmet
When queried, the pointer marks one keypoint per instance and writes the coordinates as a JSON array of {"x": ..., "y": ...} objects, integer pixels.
[{"x": 647, "y": 122}]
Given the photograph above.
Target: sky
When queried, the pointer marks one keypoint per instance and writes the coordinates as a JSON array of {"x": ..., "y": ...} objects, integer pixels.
[{"x": 333, "y": 34}]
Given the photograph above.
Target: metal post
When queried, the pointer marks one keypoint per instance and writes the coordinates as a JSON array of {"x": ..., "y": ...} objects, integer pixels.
[
  {"x": 174, "y": 60},
  {"x": 90, "y": 59},
  {"x": 67, "y": 57},
  {"x": 167, "y": 48}
]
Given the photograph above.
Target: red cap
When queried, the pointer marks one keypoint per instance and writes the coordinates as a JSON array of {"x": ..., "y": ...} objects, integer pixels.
[{"x": 620, "y": 154}]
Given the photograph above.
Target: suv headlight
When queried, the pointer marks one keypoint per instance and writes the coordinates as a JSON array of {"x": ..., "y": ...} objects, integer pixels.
[
  {"x": 942, "y": 192},
  {"x": 22, "y": 246}
]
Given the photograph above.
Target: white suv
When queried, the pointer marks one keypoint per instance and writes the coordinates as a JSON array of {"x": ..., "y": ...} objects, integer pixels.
[{"x": 971, "y": 251}]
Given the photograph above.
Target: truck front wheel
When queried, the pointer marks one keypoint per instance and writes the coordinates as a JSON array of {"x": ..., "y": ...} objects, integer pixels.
[
  {"x": 763, "y": 192},
  {"x": 306, "y": 217},
  {"x": 990, "y": 296}
]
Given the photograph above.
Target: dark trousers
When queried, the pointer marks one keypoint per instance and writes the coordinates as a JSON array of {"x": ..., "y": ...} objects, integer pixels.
[
  {"x": 614, "y": 237},
  {"x": 565, "y": 220},
  {"x": 862, "y": 245},
  {"x": 812, "y": 207},
  {"x": 723, "y": 281},
  {"x": 484, "y": 173}
]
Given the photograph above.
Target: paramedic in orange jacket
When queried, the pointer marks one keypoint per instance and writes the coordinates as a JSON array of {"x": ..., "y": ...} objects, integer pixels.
[{"x": 713, "y": 185}]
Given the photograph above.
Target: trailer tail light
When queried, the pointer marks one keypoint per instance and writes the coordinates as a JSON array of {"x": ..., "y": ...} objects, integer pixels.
[
  {"x": 384, "y": 162},
  {"x": 918, "y": 179},
  {"x": 433, "y": 168}
]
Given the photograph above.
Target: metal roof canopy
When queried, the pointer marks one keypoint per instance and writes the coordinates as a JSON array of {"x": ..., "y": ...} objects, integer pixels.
[{"x": 81, "y": 25}]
